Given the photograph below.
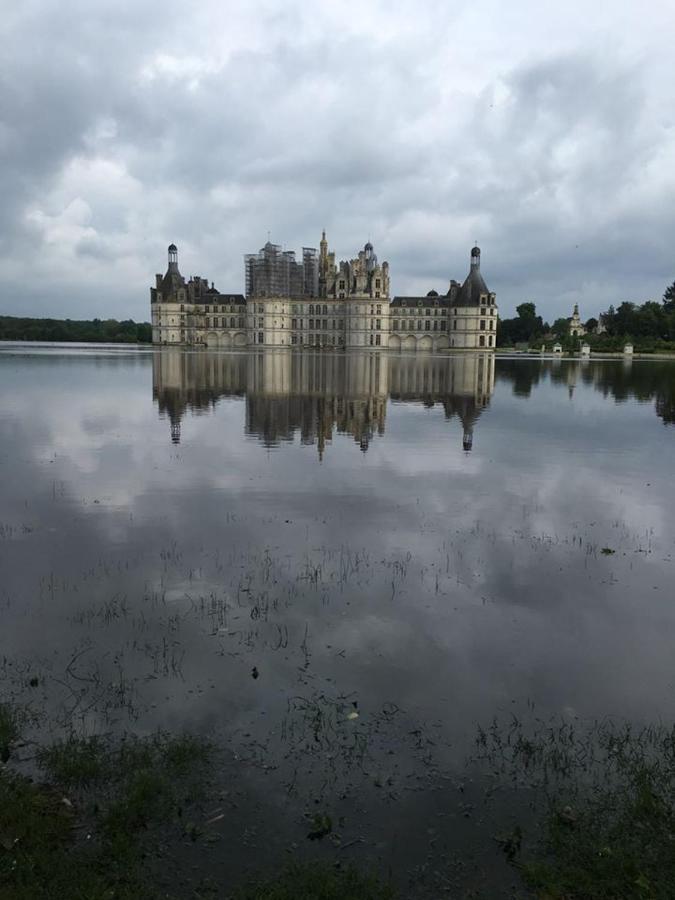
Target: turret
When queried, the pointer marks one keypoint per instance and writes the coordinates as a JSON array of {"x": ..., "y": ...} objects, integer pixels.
[{"x": 173, "y": 258}]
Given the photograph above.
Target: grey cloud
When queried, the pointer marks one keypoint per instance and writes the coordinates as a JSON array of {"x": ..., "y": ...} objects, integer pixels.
[{"x": 393, "y": 129}]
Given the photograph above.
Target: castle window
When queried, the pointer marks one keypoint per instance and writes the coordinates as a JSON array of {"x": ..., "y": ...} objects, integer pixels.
[
  {"x": 182, "y": 308},
  {"x": 482, "y": 324},
  {"x": 294, "y": 323},
  {"x": 294, "y": 308},
  {"x": 311, "y": 321},
  {"x": 481, "y": 340},
  {"x": 427, "y": 326},
  {"x": 443, "y": 325},
  {"x": 325, "y": 310},
  {"x": 395, "y": 324},
  {"x": 231, "y": 321},
  {"x": 490, "y": 340},
  {"x": 378, "y": 324},
  {"x": 241, "y": 322},
  {"x": 261, "y": 308},
  {"x": 419, "y": 302},
  {"x": 435, "y": 325},
  {"x": 342, "y": 284},
  {"x": 482, "y": 312},
  {"x": 371, "y": 340},
  {"x": 377, "y": 282},
  {"x": 379, "y": 309},
  {"x": 427, "y": 312},
  {"x": 294, "y": 339},
  {"x": 260, "y": 337},
  {"x": 454, "y": 325},
  {"x": 377, "y": 293},
  {"x": 261, "y": 323},
  {"x": 419, "y": 324},
  {"x": 492, "y": 324},
  {"x": 377, "y": 340},
  {"x": 341, "y": 323}
]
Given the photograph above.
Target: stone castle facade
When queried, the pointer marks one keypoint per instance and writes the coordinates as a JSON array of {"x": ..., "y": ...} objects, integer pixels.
[{"x": 319, "y": 304}]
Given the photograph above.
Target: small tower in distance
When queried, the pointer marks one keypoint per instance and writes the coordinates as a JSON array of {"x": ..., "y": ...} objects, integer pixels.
[
  {"x": 475, "y": 257},
  {"x": 576, "y": 327},
  {"x": 173, "y": 258}
]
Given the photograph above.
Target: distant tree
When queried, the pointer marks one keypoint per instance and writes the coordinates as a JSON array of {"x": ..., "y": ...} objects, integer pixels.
[
  {"x": 591, "y": 325},
  {"x": 13, "y": 328},
  {"x": 560, "y": 328},
  {"x": 526, "y": 311},
  {"x": 525, "y": 327},
  {"x": 669, "y": 298}
]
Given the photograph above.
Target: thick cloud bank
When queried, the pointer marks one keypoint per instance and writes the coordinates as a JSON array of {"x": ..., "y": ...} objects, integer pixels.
[{"x": 544, "y": 131}]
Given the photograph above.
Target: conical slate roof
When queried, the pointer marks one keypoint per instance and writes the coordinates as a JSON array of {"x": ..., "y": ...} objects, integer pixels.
[
  {"x": 474, "y": 285},
  {"x": 471, "y": 290}
]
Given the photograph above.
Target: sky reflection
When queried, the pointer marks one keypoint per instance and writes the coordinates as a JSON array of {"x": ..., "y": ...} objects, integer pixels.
[{"x": 178, "y": 518}]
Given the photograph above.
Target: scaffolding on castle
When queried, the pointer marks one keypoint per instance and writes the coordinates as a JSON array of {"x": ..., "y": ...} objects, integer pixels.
[{"x": 274, "y": 272}]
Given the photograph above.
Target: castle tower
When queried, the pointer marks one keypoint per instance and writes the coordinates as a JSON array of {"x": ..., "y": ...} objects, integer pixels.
[
  {"x": 323, "y": 264},
  {"x": 173, "y": 258},
  {"x": 576, "y": 327}
]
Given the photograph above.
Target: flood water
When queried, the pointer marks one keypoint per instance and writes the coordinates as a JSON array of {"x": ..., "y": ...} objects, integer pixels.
[{"x": 339, "y": 565}]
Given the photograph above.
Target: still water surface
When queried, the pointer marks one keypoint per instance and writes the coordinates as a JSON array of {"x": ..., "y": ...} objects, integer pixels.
[{"x": 338, "y": 564}]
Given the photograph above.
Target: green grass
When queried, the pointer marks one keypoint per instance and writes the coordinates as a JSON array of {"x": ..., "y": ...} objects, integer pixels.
[
  {"x": 75, "y": 761},
  {"x": 10, "y": 721},
  {"x": 608, "y": 822},
  {"x": 86, "y": 833},
  {"x": 316, "y": 882}
]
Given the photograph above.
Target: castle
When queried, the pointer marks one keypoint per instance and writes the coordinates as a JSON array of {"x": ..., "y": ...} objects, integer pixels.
[{"x": 319, "y": 304}]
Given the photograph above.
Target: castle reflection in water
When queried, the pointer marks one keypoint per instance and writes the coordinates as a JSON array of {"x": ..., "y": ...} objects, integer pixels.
[{"x": 316, "y": 394}]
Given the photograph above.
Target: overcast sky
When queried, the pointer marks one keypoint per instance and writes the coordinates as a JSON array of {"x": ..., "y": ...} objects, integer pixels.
[{"x": 545, "y": 131}]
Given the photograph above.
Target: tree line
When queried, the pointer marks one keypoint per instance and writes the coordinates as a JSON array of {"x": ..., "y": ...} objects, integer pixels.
[
  {"x": 95, "y": 331},
  {"x": 650, "y": 326}
]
